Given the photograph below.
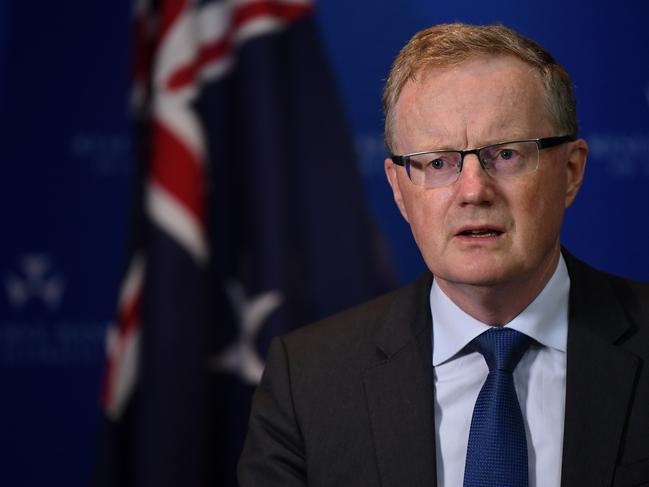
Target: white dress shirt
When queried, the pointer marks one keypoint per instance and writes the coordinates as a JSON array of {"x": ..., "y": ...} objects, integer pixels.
[{"x": 539, "y": 379}]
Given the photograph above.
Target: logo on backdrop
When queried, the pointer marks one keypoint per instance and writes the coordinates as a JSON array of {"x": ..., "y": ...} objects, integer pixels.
[
  {"x": 35, "y": 279},
  {"x": 106, "y": 153},
  {"x": 626, "y": 155},
  {"x": 33, "y": 330}
]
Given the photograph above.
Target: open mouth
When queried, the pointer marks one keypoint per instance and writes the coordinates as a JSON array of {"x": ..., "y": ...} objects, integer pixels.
[{"x": 480, "y": 233}]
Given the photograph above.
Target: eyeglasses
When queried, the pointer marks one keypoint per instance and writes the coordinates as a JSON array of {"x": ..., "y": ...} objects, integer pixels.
[{"x": 433, "y": 169}]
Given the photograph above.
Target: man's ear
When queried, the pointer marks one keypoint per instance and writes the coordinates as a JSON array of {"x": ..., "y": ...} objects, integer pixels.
[
  {"x": 391, "y": 170},
  {"x": 576, "y": 164}
]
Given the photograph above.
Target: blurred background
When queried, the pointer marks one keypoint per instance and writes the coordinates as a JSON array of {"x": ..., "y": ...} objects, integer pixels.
[{"x": 284, "y": 212}]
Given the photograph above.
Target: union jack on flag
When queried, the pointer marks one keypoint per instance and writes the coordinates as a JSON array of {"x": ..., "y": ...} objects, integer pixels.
[{"x": 249, "y": 222}]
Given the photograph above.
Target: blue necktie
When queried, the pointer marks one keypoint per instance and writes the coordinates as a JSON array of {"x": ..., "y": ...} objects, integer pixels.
[{"x": 497, "y": 451}]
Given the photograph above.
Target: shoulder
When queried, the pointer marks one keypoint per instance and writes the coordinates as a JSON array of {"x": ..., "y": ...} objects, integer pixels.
[
  {"x": 352, "y": 334},
  {"x": 609, "y": 299},
  {"x": 634, "y": 299},
  {"x": 632, "y": 295}
]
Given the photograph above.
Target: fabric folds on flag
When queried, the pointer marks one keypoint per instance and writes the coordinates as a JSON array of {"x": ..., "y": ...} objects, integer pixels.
[{"x": 250, "y": 222}]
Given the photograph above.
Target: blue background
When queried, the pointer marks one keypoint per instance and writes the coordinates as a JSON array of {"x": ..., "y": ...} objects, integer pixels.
[{"x": 65, "y": 150}]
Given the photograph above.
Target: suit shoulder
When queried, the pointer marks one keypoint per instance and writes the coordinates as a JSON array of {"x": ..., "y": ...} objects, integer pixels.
[
  {"x": 352, "y": 329},
  {"x": 361, "y": 318},
  {"x": 629, "y": 285},
  {"x": 634, "y": 296}
]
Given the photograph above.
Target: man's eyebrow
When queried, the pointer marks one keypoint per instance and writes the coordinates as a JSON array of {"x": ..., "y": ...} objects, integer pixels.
[{"x": 456, "y": 148}]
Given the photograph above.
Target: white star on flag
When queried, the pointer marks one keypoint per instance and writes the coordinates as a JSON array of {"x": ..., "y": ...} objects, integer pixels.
[{"x": 240, "y": 357}]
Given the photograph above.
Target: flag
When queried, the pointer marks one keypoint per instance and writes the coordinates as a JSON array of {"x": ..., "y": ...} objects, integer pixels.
[{"x": 250, "y": 222}]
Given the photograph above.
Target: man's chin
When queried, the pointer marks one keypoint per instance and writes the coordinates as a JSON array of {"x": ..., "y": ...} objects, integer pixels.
[{"x": 477, "y": 272}]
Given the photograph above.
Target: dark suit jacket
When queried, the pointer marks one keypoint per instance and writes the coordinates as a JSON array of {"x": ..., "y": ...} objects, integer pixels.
[{"x": 349, "y": 401}]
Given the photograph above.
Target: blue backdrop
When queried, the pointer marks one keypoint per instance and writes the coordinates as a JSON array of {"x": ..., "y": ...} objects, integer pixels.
[{"x": 64, "y": 76}]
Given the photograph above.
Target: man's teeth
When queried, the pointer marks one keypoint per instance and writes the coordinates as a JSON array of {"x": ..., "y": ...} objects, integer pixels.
[{"x": 481, "y": 233}]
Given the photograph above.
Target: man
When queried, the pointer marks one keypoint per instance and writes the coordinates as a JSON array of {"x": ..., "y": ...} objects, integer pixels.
[{"x": 412, "y": 389}]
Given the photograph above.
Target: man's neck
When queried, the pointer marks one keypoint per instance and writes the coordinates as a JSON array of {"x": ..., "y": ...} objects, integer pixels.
[{"x": 500, "y": 303}]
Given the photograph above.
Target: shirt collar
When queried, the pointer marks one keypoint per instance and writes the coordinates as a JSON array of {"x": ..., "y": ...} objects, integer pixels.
[{"x": 545, "y": 319}]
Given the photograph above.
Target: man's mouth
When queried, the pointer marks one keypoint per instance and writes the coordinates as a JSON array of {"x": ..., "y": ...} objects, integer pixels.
[{"x": 480, "y": 233}]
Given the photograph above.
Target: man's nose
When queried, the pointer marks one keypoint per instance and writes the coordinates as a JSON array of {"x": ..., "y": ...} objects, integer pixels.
[{"x": 475, "y": 186}]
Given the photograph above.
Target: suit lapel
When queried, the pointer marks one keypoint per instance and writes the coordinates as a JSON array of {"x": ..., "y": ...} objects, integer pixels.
[
  {"x": 599, "y": 380},
  {"x": 399, "y": 393}
]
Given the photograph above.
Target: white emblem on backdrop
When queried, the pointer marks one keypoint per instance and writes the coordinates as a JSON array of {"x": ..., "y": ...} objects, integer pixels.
[
  {"x": 105, "y": 153},
  {"x": 33, "y": 339},
  {"x": 35, "y": 280},
  {"x": 624, "y": 155},
  {"x": 241, "y": 357}
]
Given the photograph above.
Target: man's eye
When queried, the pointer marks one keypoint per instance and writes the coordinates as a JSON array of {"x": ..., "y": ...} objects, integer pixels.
[
  {"x": 437, "y": 163},
  {"x": 506, "y": 154}
]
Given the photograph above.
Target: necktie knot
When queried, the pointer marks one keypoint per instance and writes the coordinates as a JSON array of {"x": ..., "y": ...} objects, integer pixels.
[{"x": 502, "y": 348}]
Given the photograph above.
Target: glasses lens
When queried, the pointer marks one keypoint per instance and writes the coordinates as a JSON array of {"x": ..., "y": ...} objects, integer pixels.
[
  {"x": 433, "y": 169},
  {"x": 510, "y": 159}
]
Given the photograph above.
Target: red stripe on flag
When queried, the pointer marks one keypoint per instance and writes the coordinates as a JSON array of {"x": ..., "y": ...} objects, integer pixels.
[
  {"x": 176, "y": 169},
  {"x": 220, "y": 48},
  {"x": 128, "y": 320},
  {"x": 129, "y": 316},
  {"x": 207, "y": 53},
  {"x": 107, "y": 382},
  {"x": 171, "y": 10},
  {"x": 288, "y": 12}
]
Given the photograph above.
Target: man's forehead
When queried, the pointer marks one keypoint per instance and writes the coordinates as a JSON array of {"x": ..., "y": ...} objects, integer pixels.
[
  {"x": 475, "y": 65},
  {"x": 483, "y": 97}
]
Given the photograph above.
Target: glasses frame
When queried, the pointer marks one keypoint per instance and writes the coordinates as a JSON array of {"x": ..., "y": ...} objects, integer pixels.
[{"x": 541, "y": 143}]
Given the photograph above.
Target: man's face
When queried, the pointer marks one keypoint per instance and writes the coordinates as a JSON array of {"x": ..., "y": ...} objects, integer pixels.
[{"x": 482, "y": 231}]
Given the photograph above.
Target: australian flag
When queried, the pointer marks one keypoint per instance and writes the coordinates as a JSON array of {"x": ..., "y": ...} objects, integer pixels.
[{"x": 250, "y": 222}]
